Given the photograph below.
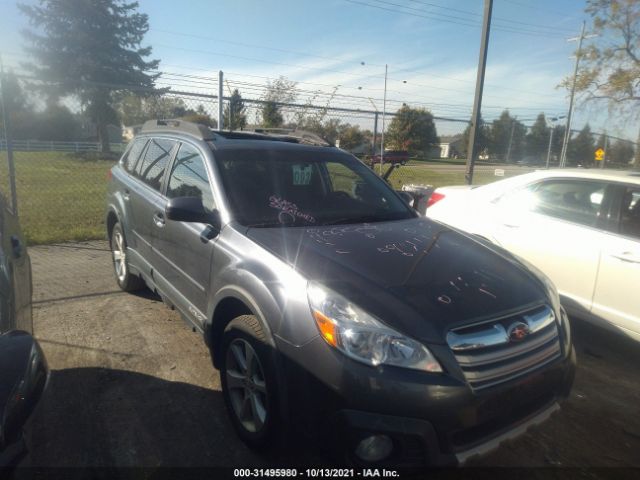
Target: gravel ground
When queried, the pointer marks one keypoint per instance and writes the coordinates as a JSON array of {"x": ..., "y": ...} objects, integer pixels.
[{"x": 132, "y": 385}]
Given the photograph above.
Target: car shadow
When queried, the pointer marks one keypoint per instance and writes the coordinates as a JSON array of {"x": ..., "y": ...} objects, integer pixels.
[{"x": 98, "y": 417}]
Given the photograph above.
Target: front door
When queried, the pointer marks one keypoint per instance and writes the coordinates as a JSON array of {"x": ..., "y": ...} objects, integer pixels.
[
  {"x": 617, "y": 289},
  {"x": 184, "y": 253},
  {"x": 554, "y": 225}
]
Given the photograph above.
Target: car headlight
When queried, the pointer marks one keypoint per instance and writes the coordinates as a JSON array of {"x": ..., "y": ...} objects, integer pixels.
[{"x": 358, "y": 335}]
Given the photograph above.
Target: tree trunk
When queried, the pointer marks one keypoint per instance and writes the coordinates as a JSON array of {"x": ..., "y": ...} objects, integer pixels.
[{"x": 103, "y": 137}]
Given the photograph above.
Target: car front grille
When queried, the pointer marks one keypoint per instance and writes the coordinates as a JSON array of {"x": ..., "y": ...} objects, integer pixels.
[{"x": 499, "y": 350}]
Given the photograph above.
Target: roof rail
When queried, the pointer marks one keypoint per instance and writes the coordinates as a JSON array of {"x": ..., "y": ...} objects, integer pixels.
[
  {"x": 302, "y": 136},
  {"x": 197, "y": 130}
]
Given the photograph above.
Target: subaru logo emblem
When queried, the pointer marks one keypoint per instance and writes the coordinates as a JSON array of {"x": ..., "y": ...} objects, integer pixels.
[{"x": 518, "y": 331}]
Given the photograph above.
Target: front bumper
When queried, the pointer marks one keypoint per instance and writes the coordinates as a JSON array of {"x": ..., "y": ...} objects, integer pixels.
[{"x": 431, "y": 419}]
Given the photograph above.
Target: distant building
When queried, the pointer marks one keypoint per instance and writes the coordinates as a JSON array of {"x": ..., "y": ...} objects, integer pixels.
[{"x": 450, "y": 147}]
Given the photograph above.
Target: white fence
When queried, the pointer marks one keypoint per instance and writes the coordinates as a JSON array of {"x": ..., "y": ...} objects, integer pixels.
[{"x": 46, "y": 146}]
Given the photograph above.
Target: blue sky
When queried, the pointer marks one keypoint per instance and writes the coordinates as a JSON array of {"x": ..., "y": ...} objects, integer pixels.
[{"x": 431, "y": 47}]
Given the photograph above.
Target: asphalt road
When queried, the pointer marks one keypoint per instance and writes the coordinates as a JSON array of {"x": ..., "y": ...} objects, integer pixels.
[{"x": 132, "y": 385}]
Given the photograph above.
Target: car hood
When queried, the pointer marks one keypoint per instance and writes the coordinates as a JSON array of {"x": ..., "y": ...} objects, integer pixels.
[{"x": 417, "y": 276}]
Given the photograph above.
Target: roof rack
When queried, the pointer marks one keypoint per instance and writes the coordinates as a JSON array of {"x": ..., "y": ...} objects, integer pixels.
[
  {"x": 301, "y": 136},
  {"x": 172, "y": 125}
]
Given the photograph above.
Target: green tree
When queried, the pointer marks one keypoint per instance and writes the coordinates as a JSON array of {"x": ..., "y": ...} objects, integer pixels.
[
  {"x": 538, "y": 138},
  {"x": 234, "y": 114},
  {"x": 580, "y": 149},
  {"x": 501, "y": 136},
  {"x": 55, "y": 123},
  {"x": 620, "y": 151},
  {"x": 610, "y": 63},
  {"x": 412, "y": 129},
  {"x": 351, "y": 136},
  {"x": 136, "y": 109},
  {"x": 278, "y": 91},
  {"x": 85, "y": 48},
  {"x": 483, "y": 138},
  {"x": 18, "y": 105}
]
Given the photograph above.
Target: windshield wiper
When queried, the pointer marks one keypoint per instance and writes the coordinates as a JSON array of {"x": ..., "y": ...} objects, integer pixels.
[
  {"x": 362, "y": 219},
  {"x": 266, "y": 224}
]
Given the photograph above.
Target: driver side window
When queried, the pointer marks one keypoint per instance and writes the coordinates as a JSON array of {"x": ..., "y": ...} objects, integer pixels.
[{"x": 189, "y": 177}]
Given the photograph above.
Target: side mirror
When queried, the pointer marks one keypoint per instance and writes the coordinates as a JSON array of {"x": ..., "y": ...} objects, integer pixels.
[
  {"x": 407, "y": 197},
  {"x": 191, "y": 209}
]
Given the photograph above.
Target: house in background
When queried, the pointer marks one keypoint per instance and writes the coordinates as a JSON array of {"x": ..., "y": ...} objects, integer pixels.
[{"x": 451, "y": 146}]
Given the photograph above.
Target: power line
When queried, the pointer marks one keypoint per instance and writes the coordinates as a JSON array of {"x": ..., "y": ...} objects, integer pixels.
[
  {"x": 501, "y": 19},
  {"x": 449, "y": 18}
]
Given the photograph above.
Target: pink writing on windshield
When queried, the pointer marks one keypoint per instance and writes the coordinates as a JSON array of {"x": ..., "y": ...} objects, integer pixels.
[{"x": 288, "y": 211}]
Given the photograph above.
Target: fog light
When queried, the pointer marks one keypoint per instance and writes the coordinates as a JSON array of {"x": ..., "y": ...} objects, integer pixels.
[{"x": 374, "y": 448}]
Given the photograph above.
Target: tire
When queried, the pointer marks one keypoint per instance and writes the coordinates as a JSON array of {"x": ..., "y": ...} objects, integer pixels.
[
  {"x": 249, "y": 391},
  {"x": 127, "y": 281}
]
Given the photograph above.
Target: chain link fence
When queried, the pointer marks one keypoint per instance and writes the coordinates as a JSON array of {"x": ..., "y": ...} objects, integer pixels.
[{"x": 61, "y": 166}]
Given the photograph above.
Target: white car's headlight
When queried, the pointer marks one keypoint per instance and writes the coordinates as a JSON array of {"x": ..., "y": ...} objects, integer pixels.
[{"x": 357, "y": 334}]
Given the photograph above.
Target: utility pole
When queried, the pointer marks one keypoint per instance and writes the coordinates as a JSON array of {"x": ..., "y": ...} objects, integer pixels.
[
  {"x": 220, "y": 99},
  {"x": 513, "y": 127},
  {"x": 567, "y": 132},
  {"x": 606, "y": 145},
  {"x": 472, "y": 148}
]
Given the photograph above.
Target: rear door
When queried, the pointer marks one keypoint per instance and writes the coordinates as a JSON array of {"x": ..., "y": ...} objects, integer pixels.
[
  {"x": 617, "y": 289},
  {"x": 127, "y": 183},
  {"x": 145, "y": 196},
  {"x": 182, "y": 249},
  {"x": 555, "y": 225}
]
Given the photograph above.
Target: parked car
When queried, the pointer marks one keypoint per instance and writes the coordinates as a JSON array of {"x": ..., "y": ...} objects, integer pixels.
[
  {"x": 23, "y": 368},
  {"x": 391, "y": 157},
  {"x": 580, "y": 227},
  {"x": 331, "y": 308}
]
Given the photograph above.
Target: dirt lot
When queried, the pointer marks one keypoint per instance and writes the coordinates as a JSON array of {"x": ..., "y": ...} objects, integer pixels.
[{"x": 131, "y": 384}]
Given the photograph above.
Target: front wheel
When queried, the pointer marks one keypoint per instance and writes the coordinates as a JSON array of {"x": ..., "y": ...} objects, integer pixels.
[
  {"x": 126, "y": 280},
  {"x": 248, "y": 381}
]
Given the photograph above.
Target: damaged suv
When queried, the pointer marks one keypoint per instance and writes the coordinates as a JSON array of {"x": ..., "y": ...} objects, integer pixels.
[{"x": 330, "y": 307}]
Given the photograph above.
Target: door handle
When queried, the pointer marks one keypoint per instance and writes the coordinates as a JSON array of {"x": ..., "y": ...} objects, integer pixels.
[
  {"x": 16, "y": 246},
  {"x": 158, "y": 219},
  {"x": 126, "y": 194},
  {"x": 627, "y": 257}
]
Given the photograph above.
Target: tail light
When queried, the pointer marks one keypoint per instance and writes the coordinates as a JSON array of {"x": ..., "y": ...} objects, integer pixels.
[{"x": 434, "y": 198}]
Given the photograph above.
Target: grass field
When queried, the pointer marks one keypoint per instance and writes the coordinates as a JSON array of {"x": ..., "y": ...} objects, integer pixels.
[{"x": 61, "y": 198}]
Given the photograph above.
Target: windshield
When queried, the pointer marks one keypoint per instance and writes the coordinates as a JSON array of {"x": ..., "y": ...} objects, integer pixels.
[{"x": 301, "y": 188}]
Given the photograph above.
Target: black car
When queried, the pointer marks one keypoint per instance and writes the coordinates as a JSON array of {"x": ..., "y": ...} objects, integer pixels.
[
  {"x": 23, "y": 368},
  {"x": 331, "y": 308}
]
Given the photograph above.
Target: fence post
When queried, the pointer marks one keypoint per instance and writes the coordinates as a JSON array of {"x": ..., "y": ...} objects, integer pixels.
[
  {"x": 220, "y": 92},
  {"x": 375, "y": 135},
  {"x": 8, "y": 142}
]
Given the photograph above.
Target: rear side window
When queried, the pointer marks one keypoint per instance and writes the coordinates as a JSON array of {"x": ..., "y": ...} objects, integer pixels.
[
  {"x": 575, "y": 201},
  {"x": 630, "y": 212},
  {"x": 189, "y": 177},
  {"x": 151, "y": 168},
  {"x": 133, "y": 154}
]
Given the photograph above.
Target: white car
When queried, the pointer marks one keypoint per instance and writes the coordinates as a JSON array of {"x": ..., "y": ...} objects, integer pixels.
[{"x": 580, "y": 227}]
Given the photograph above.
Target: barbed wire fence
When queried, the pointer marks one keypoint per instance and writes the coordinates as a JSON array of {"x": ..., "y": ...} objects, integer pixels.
[{"x": 61, "y": 180}]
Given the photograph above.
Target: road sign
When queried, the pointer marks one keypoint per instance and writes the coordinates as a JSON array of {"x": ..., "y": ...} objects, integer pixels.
[{"x": 599, "y": 155}]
